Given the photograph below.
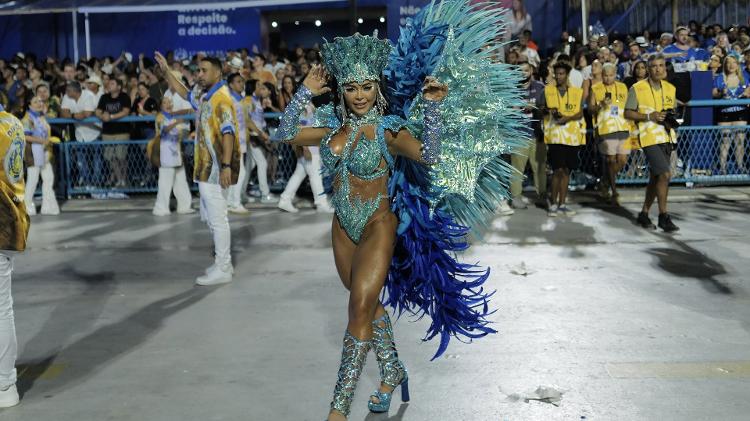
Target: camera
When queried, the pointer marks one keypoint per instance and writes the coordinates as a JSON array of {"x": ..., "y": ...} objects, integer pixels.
[
  {"x": 608, "y": 95},
  {"x": 670, "y": 120}
]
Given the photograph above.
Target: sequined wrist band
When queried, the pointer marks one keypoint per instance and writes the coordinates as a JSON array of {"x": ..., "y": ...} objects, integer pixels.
[
  {"x": 289, "y": 124},
  {"x": 432, "y": 131}
]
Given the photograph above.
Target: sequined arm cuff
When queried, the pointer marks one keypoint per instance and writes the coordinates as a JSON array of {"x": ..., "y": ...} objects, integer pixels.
[
  {"x": 432, "y": 132},
  {"x": 290, "y": 121}
]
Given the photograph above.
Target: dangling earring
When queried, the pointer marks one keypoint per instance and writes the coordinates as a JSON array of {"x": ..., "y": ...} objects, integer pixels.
[
  {"x": 342, "y": 109},
  {"x": 380, "y": 102}
]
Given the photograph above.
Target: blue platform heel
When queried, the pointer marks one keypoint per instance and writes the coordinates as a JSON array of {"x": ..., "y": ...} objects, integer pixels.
[
  {"x": 392, "y": 370},
  {"x": 353, "y": 357}
]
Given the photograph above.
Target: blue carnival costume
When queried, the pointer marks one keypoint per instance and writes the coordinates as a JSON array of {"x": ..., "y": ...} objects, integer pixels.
[{"x": 463, "y": 137}]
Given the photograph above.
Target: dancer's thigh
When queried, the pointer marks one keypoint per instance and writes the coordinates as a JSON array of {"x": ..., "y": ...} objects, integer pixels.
[
  {"x": 372, "y": 259},
  {"x": 343, "y": 252}
]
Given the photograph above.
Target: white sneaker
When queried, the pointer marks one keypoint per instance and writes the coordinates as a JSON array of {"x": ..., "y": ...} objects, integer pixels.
[
  {"x": 324, "y": 207},
  {"x": 285, "y": 204},
  {"x": 187, "y": 211},
  {"x": 552, "y": 211},
  {"x": 504, "y": 209},
  {"x": 566, "y": 211},
  {"x": 238, "y": 210},
  {"x": 215, "y": 276},
  {"x": 9, "y": 397},
  {"x": 161, "y": 213},
  {"x": 269, "y": 198},
  {"x": 213, "y": 268},
  {"x": 519, "y": 203}
]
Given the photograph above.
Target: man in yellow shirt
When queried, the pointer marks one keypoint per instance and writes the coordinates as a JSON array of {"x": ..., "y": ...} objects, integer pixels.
[
  {"x": 217, "y": 157},
  {"x": 564, "y": 133},
  {"x": 650, "y": 104},
  {"x": 607, "y": 105},
  {"x": 14, "y": 229}
]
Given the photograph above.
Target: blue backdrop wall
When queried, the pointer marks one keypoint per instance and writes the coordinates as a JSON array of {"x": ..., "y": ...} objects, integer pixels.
[
  {"x": 204, "y": 30},
  {"x": 185, "y": 32}
]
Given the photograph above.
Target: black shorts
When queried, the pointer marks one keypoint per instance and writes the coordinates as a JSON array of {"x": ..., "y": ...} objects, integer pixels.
[
  {"x": 732, "y": 116},
  {"x": 563, "y": 156},
  {"x": 658, "y": 157}
]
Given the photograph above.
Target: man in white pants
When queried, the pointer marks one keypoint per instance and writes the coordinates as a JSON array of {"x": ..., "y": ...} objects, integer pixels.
[
  {"x": 236, "y": 84},
  {"x": 217, "y": 157},
  {"x": 14, "y": 229},
  {"x": 258, "y": 135},
  {"x": 308, "y": 164}
]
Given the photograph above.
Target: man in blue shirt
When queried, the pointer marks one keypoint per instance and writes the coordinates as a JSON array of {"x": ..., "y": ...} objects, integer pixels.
[{"x": 680, "y": 51}]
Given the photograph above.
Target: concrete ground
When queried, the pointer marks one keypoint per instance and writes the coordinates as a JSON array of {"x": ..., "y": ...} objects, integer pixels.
[{"x": 627, "y": 324}]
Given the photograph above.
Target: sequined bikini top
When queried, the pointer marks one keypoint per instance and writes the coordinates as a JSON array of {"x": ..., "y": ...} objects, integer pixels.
[{"x": 359, "y": 158}]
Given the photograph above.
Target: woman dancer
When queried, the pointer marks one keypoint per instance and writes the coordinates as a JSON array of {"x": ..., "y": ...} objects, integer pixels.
[
  {"x": 364, "y": 229},
  {"x": 398, "y": 223}
]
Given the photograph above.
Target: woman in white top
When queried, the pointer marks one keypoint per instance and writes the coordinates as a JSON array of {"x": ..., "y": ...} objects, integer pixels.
[
  {"x": 37, "y": 133},
  {"x": 521, "y": 19},
  {"x": 172, "y": 176}
]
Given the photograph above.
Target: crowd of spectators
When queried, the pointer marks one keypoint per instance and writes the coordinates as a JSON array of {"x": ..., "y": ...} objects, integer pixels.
[{"x": 110, "y": 88}]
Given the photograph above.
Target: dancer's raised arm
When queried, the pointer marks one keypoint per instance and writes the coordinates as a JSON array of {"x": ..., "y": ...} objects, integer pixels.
[
  {"x": 289, "y": 129},
  {"x": 173, "y": 82},
  {"x": 427, "y": 150}
]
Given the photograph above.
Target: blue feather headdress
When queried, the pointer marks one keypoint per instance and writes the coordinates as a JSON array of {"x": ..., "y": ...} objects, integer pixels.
[{"x": 356, "y": 58}]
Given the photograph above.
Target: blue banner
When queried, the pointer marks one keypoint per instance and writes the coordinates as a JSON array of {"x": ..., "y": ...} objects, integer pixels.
[
  {"x": 186, "y": 32},
  {"x": 399, "y": 11}
]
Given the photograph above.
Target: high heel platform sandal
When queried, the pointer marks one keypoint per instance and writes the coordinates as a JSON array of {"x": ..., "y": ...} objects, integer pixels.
[
  {"x": 392, "y": 370},
  {"x": 353, "y": 357}
]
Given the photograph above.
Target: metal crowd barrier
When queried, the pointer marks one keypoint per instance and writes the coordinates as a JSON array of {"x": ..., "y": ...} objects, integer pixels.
[
  {"x": 705, "y": 155},
  {"x": 114, "y": 168}
]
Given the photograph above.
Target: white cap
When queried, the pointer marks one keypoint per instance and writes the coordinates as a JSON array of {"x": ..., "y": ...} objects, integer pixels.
[
  {"x": 641, "y": 41},
  {"x": 94, "y": 79},
  {"x": 236, "y": 63},
  {"x": 667, "y": 35}
]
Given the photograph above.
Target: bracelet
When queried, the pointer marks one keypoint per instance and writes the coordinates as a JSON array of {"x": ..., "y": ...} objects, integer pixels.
[
  {"x": 290, "y": 122},
  {"x": 225, "y": 166},
  {"x": 648, "y": 117},
  {"x": 431, "y": 138}
]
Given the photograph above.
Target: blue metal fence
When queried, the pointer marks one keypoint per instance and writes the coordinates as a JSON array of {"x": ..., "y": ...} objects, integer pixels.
[
  {"x": 95, "y": 168},
  {"x": 704, "y": 155}
]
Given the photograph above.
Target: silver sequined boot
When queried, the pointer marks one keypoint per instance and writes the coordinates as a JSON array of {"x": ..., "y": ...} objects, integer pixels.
[{"x": 353, "y": 357}]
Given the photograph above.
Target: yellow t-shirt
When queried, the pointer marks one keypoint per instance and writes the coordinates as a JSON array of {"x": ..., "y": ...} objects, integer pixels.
[
  {"x": 14, "y": 223},
  {"x": 216, "y": 117},
  {"x": 654, "y": 100},
  {"x": 572, "y": 133},
  {"x": 611, "y": 119}
]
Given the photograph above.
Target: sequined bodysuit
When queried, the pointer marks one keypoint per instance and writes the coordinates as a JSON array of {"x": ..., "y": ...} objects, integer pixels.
[{"x": 360, "y": 170}]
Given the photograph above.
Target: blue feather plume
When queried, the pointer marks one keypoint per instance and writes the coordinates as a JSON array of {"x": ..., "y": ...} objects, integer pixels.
[{"x": 426, "y": 278}]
